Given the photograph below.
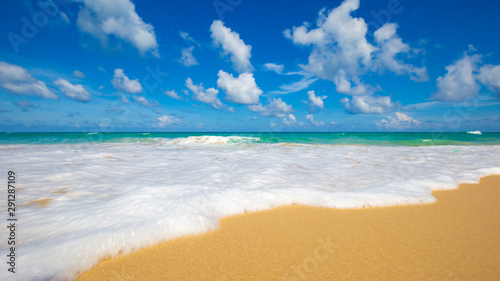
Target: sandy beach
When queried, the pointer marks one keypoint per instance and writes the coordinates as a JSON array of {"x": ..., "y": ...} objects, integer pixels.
[{"x": 456, "y": 238}]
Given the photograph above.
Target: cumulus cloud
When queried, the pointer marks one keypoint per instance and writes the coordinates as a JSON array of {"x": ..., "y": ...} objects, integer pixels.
[
  {"x": 275, "y": 108},
  {"x": 118, "y": 18},
  {"x": 207, "y": 96},
  {"x": 144, "y": 102},
  {"x": 122, "y": 83},
  {"x": 232, "y": 45},
  {"x": 173, "y": 94},
  {"x": 78, "y": 74},
  {"x": 398, "y": 121},
  {"x": 464, "y": 77},
  {"x": 187, "y": 58},
  {"x": 19, "y": 81},
  {"x": 489, "y": 75},
  {"x": 344, "y": 85},
  {"x": 76, "y": 92},
  {"x": 342, "y": 54},
  {"x": 339, "y": 42},
  {"x": 340, "y": 46},
  {"x": 310, "y": 118},
  {"x": 166, "y": 120},
  {"x": 391, "y": 46},
  {"x": 459, "y": 82},
  {"x": 367, "y": 104},
  {"x": 315, "y": 101},
  {"x": 241, "y": 90},
  {"x": 290, "y": 120}
]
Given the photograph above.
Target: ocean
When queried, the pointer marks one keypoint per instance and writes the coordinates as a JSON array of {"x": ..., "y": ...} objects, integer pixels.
[{"x": 82, "y": 197}]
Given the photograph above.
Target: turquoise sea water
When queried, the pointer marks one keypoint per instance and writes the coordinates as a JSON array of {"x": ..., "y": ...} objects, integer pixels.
[{"x": 384, "y": 139}]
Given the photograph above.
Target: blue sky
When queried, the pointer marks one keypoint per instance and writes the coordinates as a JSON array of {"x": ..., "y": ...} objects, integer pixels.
[{"x": 240, "y": 65}]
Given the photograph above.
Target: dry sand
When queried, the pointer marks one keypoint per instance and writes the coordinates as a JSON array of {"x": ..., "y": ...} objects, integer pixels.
[{"x": 456, "y": 238}]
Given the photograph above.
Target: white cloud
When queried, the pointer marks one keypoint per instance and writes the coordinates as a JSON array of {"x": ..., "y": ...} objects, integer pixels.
[
  {"x": 340, "y": 46},
  {"x": 459, "y": 83},
  {"x": 76, "y": 92},
  {"x": 310, "y": 118},
  {"x": 367, "y": 104},
  {"x": 207, "y": 96},
  {"x": 18, "y": 80},
  {"x": 344, "y": 85},
  {"x": 464, "y": 77},
  {"x": 294, "y": 87},
  {"x": 276, "y": 107},
  {"x": 187, "y": 58},
  {"x": 391, "y": 45},
  {"x": 173, "y": 94},
  {"x": 400, "y": 121},
  {"x": 188, "y": 37},
  {"x": 78, "y": 74},
  {"x": 489, "y": 75},
  {"x": 339, "y": 42},
  {"x": 241, "y": 90},
  {"x": 144, "y": 102},
  {"x": 301, "y": 36},
  {"x": 231, "y": 43},
  {"x": 166, "y": 120},
  {"x": 341, "y": 52},
  {"x": 117, "y": 18},
  {"x": 315, "y": 101},
  {"x": 290, "y": 120},
  {"x": 124, "y": 99},
  {"x": 278, "y": 68},
  {"x": 122, "y": 83}
]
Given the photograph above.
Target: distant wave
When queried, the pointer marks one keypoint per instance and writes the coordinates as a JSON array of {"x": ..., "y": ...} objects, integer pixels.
[
  {"x": 214, "y": 140},
  {"x": 474, "y": 132}
]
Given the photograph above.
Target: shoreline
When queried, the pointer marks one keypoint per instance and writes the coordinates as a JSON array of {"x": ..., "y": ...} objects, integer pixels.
[{"x": 455, "y": 238}]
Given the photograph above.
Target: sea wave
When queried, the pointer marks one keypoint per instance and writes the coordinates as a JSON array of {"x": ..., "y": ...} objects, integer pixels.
[
  {"x": 212, "y": 140},
  {"x": 474, "y": 132},
  {"x": 84, "y": 203}
]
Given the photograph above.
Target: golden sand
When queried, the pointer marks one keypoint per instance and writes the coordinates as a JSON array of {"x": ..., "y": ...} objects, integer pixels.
[{"x": 456, "y": 238}]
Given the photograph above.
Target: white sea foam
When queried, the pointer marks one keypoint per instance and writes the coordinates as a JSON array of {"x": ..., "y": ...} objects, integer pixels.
[
  {"x": 211, "y": 140},
  {"x": 116, "y": 197},
  {"x": 474, "y": 132}
]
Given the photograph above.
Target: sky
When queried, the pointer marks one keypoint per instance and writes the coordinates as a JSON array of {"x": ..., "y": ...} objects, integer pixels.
[{"x": 249, "y": 66}]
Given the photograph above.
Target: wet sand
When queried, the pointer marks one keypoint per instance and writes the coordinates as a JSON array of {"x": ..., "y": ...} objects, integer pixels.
[{"x": 456, "y": 238}]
